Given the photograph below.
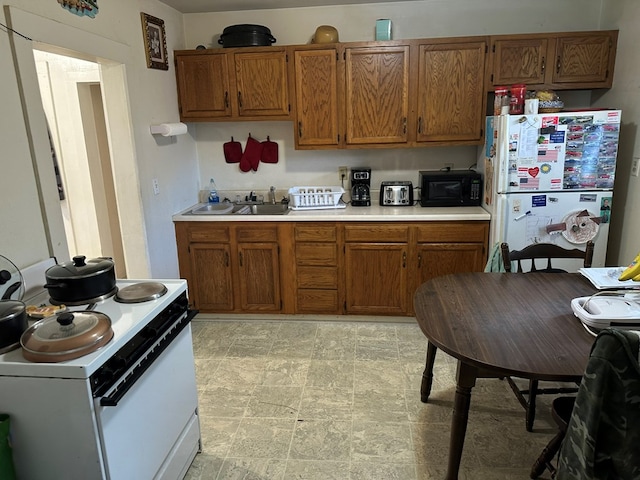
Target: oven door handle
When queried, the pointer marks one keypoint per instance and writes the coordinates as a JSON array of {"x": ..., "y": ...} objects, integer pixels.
[{"x": 143, "y": 366}]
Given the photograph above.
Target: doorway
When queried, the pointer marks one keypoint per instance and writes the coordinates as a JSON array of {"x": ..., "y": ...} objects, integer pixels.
[{"x": 71, "y": 93}]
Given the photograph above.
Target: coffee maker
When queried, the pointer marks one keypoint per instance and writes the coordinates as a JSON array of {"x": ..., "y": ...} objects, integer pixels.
[{"x": 361, "y": 187}]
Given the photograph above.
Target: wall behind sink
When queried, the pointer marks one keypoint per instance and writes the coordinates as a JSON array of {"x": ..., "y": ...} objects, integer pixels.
[
  {"x": 411, "y": 19},
  {"x": 311, "y": 167}
]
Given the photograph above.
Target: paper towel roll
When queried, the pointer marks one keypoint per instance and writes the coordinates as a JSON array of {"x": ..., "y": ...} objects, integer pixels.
[{"x": 169, "y": 129}]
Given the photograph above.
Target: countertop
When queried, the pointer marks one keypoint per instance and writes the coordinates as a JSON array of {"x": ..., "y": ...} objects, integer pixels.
[{"x": 374, "y": 213}]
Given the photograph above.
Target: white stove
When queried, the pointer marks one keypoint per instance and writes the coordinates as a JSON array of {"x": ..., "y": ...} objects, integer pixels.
[
  {"x": 127, "y": 319},
  {"x": 83, "y": 418}
]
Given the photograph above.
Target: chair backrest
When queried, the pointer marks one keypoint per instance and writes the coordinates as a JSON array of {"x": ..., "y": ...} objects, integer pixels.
[{"x": 546, "y": 251}]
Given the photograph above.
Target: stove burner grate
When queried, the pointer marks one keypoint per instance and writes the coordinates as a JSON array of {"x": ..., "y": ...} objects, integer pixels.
[{"x": 141, "y": 292}]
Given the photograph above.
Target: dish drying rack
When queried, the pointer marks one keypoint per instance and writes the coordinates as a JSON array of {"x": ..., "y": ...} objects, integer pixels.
[{"x": 315, "y": 198}]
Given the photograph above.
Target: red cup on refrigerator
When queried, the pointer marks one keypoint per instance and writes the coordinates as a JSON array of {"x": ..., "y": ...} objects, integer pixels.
[{"x": 516, "y": 102}]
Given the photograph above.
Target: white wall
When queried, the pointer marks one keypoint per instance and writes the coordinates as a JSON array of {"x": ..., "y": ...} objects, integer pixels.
[
  {"x": 625, "y": 221},
  {"x": 114, "y": 36}
]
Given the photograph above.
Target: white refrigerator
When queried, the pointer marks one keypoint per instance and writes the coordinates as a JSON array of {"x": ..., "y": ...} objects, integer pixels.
[{"x": 548, "y": 178}]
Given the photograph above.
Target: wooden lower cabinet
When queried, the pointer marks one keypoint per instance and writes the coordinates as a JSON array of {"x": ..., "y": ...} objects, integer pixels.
[
  {"x": 376, "y": 267},
  {"x": 318, "y": 275},
  {"x": 327, "y": 268},
  {"x": 231, "y": 267}
]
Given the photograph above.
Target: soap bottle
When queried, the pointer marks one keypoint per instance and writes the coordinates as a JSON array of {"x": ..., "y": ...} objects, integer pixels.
[{"x": 213, "y": 192}]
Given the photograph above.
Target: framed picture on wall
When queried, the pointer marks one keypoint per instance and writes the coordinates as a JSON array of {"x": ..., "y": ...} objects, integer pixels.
[{"x": 155, "y": 43}]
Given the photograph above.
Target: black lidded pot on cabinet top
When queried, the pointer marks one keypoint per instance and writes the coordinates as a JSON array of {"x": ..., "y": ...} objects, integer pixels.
[{"x": 246, "y": 35}]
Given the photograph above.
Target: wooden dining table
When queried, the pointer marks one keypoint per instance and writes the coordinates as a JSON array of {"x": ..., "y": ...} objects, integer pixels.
[{"x": 500, "y": 325}]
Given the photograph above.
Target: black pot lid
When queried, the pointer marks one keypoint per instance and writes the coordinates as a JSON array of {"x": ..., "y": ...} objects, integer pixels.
[
  {"x": 66, "y": 336},
  {"x": 11, "y": 281},
  {"x": 80, "y": 267},
  {"x": 140, "y": 292}
]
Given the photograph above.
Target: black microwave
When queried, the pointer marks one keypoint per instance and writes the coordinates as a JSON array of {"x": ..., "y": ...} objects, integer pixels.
[{"x": 450, "y": 189}]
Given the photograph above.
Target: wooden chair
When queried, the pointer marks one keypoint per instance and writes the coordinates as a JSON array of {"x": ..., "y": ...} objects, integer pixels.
[
  {"x": 561, "y": 409},
  {"x": 547, "y": 251},
  {"x": 531, "y": 253}
]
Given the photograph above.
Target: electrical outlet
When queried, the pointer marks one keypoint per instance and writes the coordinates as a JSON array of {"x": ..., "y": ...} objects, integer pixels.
[
  {"x": 156, "y": 187},
  {"x": 448, "y": 167},
  {"x": 634, "y": 166},
  {"x": 342, "y": 173}
]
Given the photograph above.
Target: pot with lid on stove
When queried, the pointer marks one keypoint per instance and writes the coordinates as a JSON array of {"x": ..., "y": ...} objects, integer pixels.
[
  {"x": 81, "y": 281},
  {"x": 66, "y": 336},
  {"x": 13, "y": 316}
]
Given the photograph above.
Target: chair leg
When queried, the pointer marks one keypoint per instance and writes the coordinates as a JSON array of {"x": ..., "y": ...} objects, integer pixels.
[
  {"x": 544, "y": 460},
  {"x": 427, "y": 375},
  {"x": 531, "y": 404}
]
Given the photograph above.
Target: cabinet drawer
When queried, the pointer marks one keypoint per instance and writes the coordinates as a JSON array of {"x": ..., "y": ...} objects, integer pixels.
[
  {"x": 209, "y": 233},
  {"x": 257, "y": 234},
  {"x": 315, "y": 233},
  {"x": 318, "y": 277},
  {"x": 452, "y": 232},
  {"x": 316, "y": 254},
  {"x": 382, "y": 232},
  {"x": 317, "y": 301}
]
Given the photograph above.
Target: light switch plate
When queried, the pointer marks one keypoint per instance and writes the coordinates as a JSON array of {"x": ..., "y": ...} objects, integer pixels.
[
  {"x": 634, "y": 166},
  {"x": 156, "y": 187}
]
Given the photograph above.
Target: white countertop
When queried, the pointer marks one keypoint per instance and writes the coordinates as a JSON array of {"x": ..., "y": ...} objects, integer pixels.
[{"x": 374, "y": 213}]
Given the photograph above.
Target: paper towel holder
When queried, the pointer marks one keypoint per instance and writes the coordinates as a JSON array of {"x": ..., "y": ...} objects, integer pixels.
[{"x": 168, "y": 129}]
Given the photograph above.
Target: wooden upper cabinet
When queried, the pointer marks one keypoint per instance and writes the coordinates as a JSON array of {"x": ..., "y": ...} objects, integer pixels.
[
  {"x": 262, "y": 84},
  {"x": 227, "y": 84},
  {"x": 450, "y": 92},
  {"x": 203, "y": 86},
  {"x": 376, "y": 94},
  {"x": 316, "y": 94},
  {"x": 585, "y": 59},
  {"x": 574, "y": 60},
  {"x": 521, "y": 60}
]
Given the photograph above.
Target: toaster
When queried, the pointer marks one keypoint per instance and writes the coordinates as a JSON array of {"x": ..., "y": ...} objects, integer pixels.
[{"x": 396, "y": 194}]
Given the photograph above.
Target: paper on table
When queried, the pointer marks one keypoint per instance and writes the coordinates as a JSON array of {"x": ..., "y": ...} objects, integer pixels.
[{"x": 607, "y": 277}]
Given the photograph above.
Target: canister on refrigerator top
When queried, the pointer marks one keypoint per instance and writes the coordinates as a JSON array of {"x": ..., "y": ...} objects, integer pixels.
[
  {"x": 516, "y": 102},
  {"x": 501, "y": 100}
]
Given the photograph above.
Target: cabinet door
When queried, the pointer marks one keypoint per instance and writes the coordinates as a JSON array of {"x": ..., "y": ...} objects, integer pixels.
[
  {"x": 377, "y": 85},
  {"x": 376, "y": 278},
  {"x": 451, "y": 93},
  {"x": 436, "y": 259},
  {"x": 316, "y": 81},
  {"x": 519, "y": 60},
  {"x": 212, "y": 288},
  {"x": 584, "y": 59},
  {"x": 261, "y": 82},
  {"x": 259, "y": 277},
  {"x": 203, "y": 86}
]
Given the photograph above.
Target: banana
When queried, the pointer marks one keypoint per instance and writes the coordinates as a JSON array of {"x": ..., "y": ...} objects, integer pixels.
[{"x": 632, "y": 271}]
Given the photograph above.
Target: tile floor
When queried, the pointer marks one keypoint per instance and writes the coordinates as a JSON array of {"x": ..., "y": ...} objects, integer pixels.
[{"x": 337, "y": 400}]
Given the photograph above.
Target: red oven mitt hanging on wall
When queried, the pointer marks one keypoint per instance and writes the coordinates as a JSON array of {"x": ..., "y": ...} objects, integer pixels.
[{"x": 251, "y": 156}]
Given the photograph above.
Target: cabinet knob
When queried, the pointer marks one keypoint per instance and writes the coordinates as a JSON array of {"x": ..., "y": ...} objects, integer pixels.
[
  {"x": 299, "y": 129},
  {"x": 240, "y": 99},
  {"x": 544, "y": 64},
  {"x": 226, "y": 99},
  {"x": 558, "y": 64}
]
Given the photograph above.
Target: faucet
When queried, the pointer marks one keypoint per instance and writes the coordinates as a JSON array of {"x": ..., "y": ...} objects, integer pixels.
[{"x": 272, "y": 195}]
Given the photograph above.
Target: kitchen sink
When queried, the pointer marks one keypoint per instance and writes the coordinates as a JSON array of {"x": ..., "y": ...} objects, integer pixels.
[
  {"x": 213, "y": 209},
  {"x": 226, "y": 208},
  {"x": 262, "y": 209}
]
